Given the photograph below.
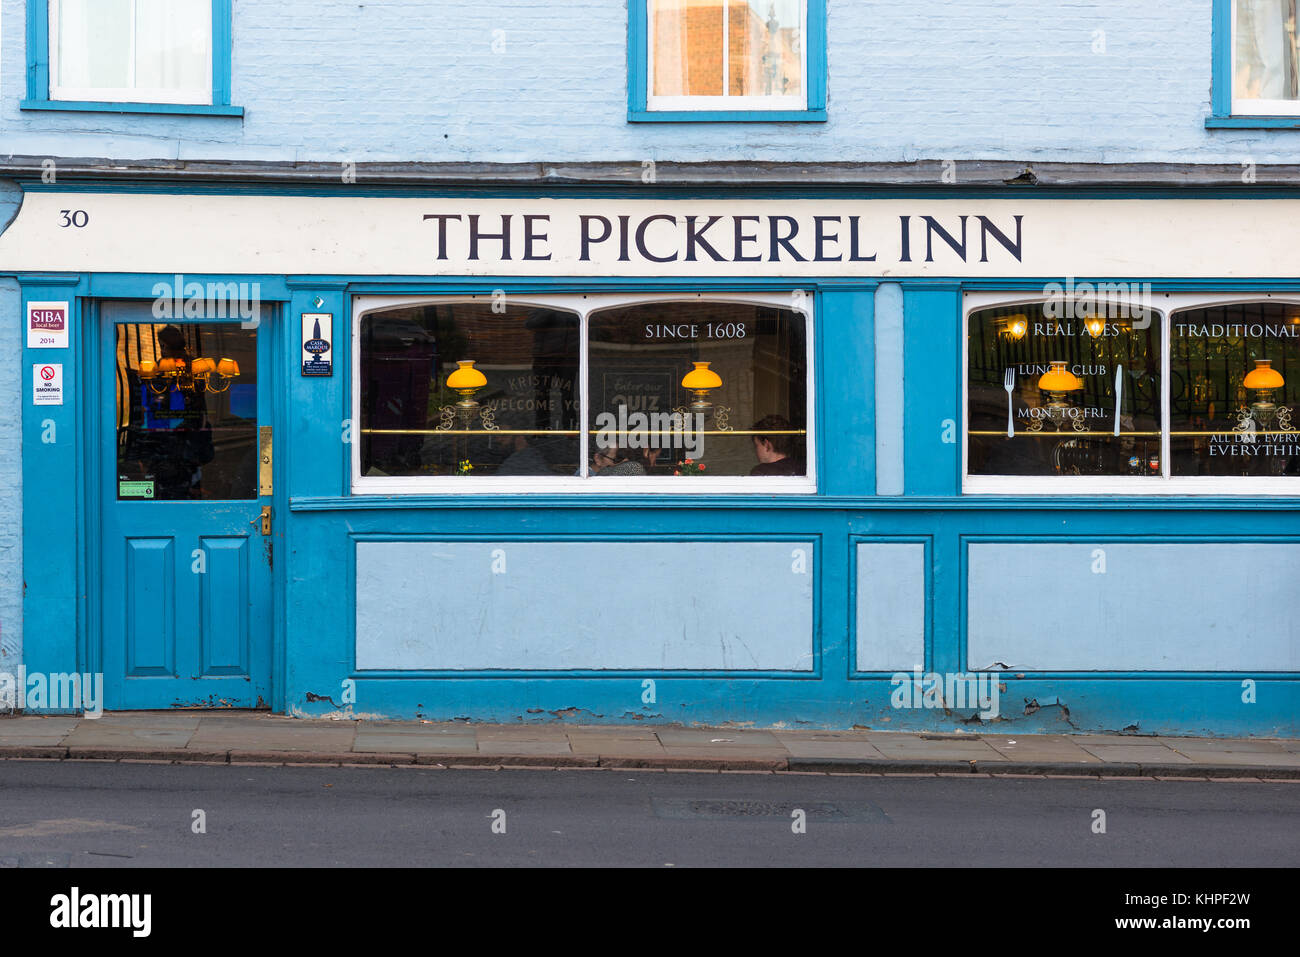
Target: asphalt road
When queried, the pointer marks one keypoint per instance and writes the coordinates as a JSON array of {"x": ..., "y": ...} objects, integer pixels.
[{"x": 86, "y": 814}]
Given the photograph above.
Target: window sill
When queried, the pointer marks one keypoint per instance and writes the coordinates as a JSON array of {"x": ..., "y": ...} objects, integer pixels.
[
  {"x": 1252, "y": 122},
  {"x": 173, "y": 109},
  {"x": 726, "y": 116}
]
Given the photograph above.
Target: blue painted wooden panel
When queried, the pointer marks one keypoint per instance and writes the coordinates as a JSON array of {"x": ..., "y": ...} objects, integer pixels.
[
  {"x": 932, "y": 379},
  {"x": 717, "y": 606},
  {"x": 889, "y": 389},
  {"x": 891, "y": 606},
  {"x": 150, "y": 606},
  {"x": 225, "y": 600},
  {"x": 1213, "y": 606},
  {"x": 845, "y": 382}
]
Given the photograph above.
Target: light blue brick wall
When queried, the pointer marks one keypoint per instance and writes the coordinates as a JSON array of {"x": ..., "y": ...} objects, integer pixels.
[
  {"x": 11, "y": 476},
  {"x": 419, "y": 80}
]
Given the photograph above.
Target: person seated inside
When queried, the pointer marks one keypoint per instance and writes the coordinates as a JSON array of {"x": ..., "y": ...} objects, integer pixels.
[
  {"x": 618, "y": 461},
  {"x": 775, "y": 452}
]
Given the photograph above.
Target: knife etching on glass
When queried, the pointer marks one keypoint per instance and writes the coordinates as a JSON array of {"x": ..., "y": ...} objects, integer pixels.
[{"x": 1119, "y": 394}]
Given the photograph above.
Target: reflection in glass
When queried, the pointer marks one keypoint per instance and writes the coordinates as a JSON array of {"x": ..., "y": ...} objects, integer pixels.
[
  {"x": 1266, "y": 51},
  {"x": 186, "y": 411},
  {"x": 749, "y": 48},
  {"x": 697, "y": 388},
  {"x": 1057, "y": 394},
  {"x": 469, "y": 389},
  {"x": 1234, "y": 389}
]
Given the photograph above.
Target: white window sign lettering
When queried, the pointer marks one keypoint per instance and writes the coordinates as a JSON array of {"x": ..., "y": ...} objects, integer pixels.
[
  {"x": 47, "y": 325},
  {"x": 47, "y": 383}
]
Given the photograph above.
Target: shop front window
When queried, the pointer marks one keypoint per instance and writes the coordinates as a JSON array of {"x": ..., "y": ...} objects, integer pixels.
[
  {"x": 1056, "y": 391},
  {"x": 689, "y": 388},
  {"x": 593, "y": 393},
  {"x": 1234, "y": 388},
  {"x": 463, "y": 389},
  {"x": 1197, "y": 396}
]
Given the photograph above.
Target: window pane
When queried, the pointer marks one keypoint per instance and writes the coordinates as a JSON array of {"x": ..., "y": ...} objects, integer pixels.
[
  {"x": 1266, "y": 50},
  {"x": 1043, "y": 394},
  {"x": 1235, "y": 383},
  {"x": 147, "y": 45},
  {"x": 743, "y": 412},
  {"x": 764, "y": 48},
  {"x": 511, "y": 409},
  {"x": 185, "y": 431},
  {"x": 94, "y": 44},
  {"x": 687, "y": 47},
  {"x": 171, "y": 39}
]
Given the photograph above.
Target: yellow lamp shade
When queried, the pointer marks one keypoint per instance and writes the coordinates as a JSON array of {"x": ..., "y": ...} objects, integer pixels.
[
  {"x": 203, "y": 367},
  {"x": 1059, "y": 379},
  {"x": 465, "y": 378},
  {"x": 701, "y": 378},
  {"x": 148, "y": 368},
  {"x": 1264, "y": 376},
  {"x": 171, "y": 365},
  {"x": 227, "y": 367},
  {"x": 1095, "y": 326}
]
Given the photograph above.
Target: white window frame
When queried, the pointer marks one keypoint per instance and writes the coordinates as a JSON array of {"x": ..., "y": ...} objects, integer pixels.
[
  {"x": 96, "y": 94},
  {"x": 583, "y": 305},
  {"x": 1248, "y": 107},
  {"x": 726, "y": 102},
  {"x": 1137, "y": 485}
]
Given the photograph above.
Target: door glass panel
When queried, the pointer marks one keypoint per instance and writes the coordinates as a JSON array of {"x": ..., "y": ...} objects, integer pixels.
[{"x": 186, "y": 411}]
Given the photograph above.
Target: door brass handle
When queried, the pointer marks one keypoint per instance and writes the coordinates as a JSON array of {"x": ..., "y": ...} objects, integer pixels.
[
  {"x": 266, "y": 520},
  {"x": 264, "y": 471}
]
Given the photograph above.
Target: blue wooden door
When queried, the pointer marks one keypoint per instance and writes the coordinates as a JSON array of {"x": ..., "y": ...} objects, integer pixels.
[{"x": 186, "y": 593}]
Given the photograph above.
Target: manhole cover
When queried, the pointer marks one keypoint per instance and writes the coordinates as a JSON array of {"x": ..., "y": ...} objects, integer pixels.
[{"x": 727, "y": 809}]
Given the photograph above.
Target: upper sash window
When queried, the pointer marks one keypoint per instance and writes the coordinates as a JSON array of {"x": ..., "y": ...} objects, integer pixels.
[
  {"x": 728, "y": 59},
  {"x": 1265, "y": 57}
]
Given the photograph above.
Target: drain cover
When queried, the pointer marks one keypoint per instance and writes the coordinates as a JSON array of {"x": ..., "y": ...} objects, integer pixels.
[{"x": 727, "y": 809}]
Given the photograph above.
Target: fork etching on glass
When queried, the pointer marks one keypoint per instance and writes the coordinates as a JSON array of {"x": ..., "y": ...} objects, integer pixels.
[{"x": 1009, "y": 383}]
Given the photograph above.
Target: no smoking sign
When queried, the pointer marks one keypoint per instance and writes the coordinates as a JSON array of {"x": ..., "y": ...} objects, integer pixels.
[{"x": 47, "y": 384}]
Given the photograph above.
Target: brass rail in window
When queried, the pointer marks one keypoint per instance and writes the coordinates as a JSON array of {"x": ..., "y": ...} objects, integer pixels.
[
  {"x": 595, "y": 432},
  {"x": 1078, "y": 435}
]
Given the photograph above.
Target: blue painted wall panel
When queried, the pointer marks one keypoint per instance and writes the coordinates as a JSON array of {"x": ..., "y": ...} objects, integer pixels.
[
  {"x": 1134, "y": 607},
  {"x": 543, "y": 606},
  {"x": 891, "y": 606}
]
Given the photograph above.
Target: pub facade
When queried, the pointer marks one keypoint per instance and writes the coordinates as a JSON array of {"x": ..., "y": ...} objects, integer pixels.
[{"x": 896, "y": 443}]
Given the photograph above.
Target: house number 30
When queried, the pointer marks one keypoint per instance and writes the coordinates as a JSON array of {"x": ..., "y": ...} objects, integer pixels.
[{"x": 74, "y": 217}]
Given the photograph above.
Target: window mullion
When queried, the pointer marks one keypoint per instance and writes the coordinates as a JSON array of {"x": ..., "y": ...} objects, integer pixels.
[
  {"x": 131, "y": 45},
  {"x": 726, "y": 48},
  {"x": 584, "y": 457},
  {"x": 1166, "y": 408}
]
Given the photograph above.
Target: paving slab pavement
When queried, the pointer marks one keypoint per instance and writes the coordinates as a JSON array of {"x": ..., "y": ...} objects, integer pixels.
[{"x": 259, "y": 737}]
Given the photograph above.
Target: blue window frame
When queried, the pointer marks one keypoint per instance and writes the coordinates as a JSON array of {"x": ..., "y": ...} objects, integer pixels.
[
  {"x": 1260, "y": 94},
  {"x": 42, "y": 91},
  {"x": 807, "y": 105}
]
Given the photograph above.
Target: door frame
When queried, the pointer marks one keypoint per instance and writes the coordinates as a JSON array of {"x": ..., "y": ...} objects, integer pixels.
[{"x": 91, "y": 454}]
